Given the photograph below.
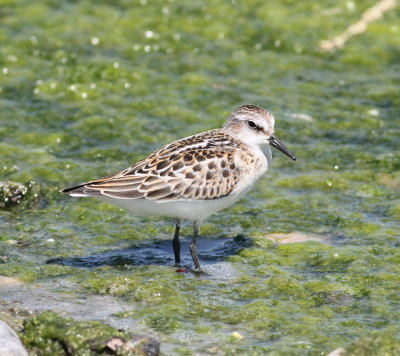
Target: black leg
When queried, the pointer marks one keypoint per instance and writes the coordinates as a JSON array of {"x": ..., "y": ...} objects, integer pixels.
[
  {"x": 193, "y": 248},
  {"x": 176, "y": 245}
]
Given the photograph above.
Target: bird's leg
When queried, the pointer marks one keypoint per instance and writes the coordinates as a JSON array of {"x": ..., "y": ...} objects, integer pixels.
[
  {"x": 176, "y": 245},
  {"x": 193, "y": 248}
]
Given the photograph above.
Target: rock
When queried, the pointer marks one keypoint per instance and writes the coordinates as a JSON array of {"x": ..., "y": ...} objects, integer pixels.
[
  {"x": 293, "y": 237},
  {"x": 10, "y": 344},
  {"x": 115, "y": 343},
  {"x": 9, "y": 281},
  {"x": 143, "y": 345},
  {"x": 138, "y": 345}
]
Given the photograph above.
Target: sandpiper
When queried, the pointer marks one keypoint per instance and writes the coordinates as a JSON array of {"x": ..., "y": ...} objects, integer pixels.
[{"x": 196, "y": 176}]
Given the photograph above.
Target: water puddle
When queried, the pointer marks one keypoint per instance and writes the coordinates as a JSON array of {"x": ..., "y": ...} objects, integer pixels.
[
  {"x": 160, "y": 253},
  {"x": 40, "y": 297}
]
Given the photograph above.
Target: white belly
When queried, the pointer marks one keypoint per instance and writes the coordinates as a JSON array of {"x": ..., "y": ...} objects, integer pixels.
[
  {"x": 197, "y": 210},
  {"x": 189, "y": 210}
]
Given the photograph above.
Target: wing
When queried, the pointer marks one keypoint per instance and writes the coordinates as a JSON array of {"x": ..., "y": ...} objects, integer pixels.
[{"x": 199, "y": 167}]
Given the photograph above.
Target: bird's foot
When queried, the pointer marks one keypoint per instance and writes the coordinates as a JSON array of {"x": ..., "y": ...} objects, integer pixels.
[
  {"x": 179, "y": 268},
  {"x": 198, "y": 271}
]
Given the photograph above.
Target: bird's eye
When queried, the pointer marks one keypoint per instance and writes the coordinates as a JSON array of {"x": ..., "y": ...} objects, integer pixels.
[{"x": 251, "y": 124}]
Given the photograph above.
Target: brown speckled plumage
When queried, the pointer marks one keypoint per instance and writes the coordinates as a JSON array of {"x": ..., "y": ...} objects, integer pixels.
[{"x": 199, "y": 167}]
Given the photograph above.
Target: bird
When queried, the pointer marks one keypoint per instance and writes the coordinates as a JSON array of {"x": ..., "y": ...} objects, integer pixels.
[{"x": 196, "y": 176}]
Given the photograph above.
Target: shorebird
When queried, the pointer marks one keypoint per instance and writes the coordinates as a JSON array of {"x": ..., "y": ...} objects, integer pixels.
[{"x": 196, "y": 176}]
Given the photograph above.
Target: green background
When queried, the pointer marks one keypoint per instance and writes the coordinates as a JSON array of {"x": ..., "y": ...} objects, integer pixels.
[{"x": 89, "y": 87}]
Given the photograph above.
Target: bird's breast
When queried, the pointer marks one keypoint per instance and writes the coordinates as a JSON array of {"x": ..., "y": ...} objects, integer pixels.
[{"x": 253, "y": 164}]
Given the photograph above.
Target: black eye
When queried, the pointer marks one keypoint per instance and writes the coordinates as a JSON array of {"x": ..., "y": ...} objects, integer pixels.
[{"x": 252, "y": 124}]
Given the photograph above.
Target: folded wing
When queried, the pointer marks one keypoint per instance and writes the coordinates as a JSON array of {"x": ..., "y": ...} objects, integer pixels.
[{"x": 200, "y": 167}]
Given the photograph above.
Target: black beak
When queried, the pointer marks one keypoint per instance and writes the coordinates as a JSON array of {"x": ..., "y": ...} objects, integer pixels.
[{"x": 273, "y": 140}]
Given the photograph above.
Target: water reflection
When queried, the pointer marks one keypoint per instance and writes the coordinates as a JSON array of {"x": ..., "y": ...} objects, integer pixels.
[{"x": 159, "y": 253}]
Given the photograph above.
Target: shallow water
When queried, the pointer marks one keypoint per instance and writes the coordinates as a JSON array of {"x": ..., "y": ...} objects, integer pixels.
[
  {"x": 159, "y": 252},
  {"x": 88, "y": 89}
]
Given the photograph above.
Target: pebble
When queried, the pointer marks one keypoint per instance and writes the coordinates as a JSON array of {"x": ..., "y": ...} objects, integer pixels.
[{"x": 237, "y": 335}]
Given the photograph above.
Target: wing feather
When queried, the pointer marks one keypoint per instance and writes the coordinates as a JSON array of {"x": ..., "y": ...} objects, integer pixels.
[{"x": 200, "y": 167}]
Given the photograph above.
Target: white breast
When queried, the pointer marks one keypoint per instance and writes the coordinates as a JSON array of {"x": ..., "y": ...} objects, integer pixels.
[
  {"x": 199, "y": 209},
  {"x": 253, "y": 172}
]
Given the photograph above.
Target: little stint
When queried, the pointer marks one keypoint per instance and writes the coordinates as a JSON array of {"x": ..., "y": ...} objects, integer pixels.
[{"x": 196, "y": 176}]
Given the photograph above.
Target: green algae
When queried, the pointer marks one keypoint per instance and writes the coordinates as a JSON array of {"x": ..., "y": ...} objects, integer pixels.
[
  {"x": 24, "y": 195},
  {"x": 51, "y": 334},
  {"x": 378, "y": 343},
  {"x": 87, "y": 90}
]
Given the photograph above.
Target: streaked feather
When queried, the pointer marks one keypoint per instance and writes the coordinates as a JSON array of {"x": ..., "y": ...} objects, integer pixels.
[{"x": 200, "y": 167}]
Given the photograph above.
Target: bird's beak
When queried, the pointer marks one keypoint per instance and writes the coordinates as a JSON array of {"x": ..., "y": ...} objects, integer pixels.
[{"x": 273, "y": 140}]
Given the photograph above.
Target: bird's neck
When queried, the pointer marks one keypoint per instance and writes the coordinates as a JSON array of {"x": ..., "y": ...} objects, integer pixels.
[{"x": 266, "y": 150}]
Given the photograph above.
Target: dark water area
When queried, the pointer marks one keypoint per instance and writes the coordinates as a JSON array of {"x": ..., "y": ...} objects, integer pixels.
[{"x": 159, "y": 253}]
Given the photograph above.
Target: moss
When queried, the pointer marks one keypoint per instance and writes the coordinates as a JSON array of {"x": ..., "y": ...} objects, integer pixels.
[
  {"x": 49, "y": 333},
  {"x": 385, "y": 342},
  {"x": 95, "y": 99},
  {"x": 13, "y": 194},
  {"x": 395, "y": 211}
]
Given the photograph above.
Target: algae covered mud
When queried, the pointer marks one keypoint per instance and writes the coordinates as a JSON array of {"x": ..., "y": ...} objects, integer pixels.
[{"x": 306, "y": 263}]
